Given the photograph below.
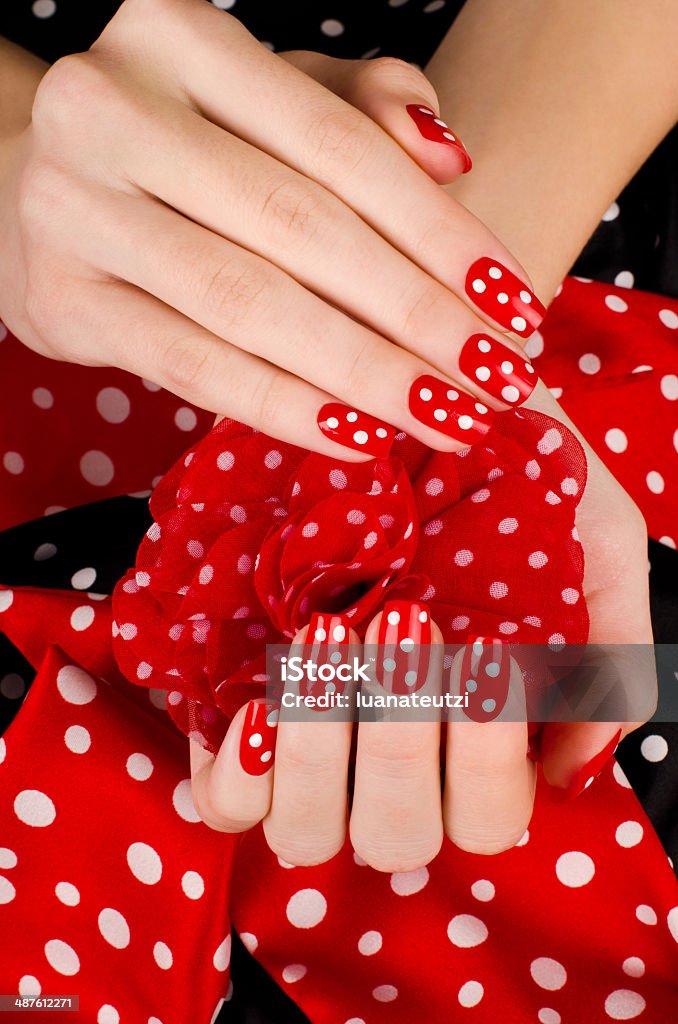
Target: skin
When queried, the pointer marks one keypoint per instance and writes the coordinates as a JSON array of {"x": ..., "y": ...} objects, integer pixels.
[{"x": 523, "y": 177}]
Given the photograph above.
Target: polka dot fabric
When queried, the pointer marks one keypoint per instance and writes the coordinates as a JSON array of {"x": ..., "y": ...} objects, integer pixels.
[{"x": 251, "y": 536}]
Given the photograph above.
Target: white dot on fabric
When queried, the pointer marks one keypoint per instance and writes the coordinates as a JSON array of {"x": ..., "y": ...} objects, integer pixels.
[
  {"x": 338, "y": 479},
  {"x": 13, "y": 463},
  {"x": 434, "y": 486},
  {"x": 182, "y": 800},
  {"x": 113, "y": 405},
  {"x": 7, "y": 890},
  {"x": 370, "y": 943},
  {"x": 538, "y": 559},
  {"x": 470, "y": 993},
  {"x": 44, "y": 8},
  {"x": 77, "y": 739},
  {"x": 8, "y": 858},
  {"x": 222, "y": 954},
  {"x": 294, "y": 972},
  {"x": 406, "y": 883},
  {"x": 185, "y": 418},
  {"x": 114, "y": 928},
  {"x": 331, "y": 27},
  {"x": 634, "y": 967},
  {"x": 67, "y": 894},
  {"x": 498, "y": 590},
  {"x": 61, "y": 957},
  {"x": 548, "y": 1016},
  {"x": 139, "y": 767},
  {"x": 672, "y": 921},
  {"x": 192, "y": 885},
  {"x": 624, "y": 1004},
  {"x": 669, "y": 318},
  {"x": 465, "y": 931},
  {"x": 83, "y": 578},
  {"x": 82, "y": 617},
  {"x": 12, "y": 686},
  {"x": 460, "y": 622},
  {"x": 550, "y": 442},
  {"x": 34, "y": 808},
  {"x": 108, "y": 1015},
  {"x": 244, "y": 564},
  {"x": 310, "y": 530},
  {"x": 611, "y": 213},
  {"x": 29, "y": 986},
  {"x": 570, "y": 595},
  {"x": 655, "y": 481},
  {"x": 6, "y": 599},
  {"x": 385, "y": 993},
  {"x": 645, "y": 914},
  {"x": 616, "y": 303},
  {"x": 97, "y": 468},
  {"x": 669, "y": 386},
  {"x": 654, "y": 748},
  {"x": 548, "y": 973},
  {"x": 508, "y": 525},
  {"x": 463, "y": 557},
  {"x": 43, "y": 398},
  {"x": 225, "y": 461},
  {"x": 575, "y": 869},
  {"x": 162, "y": 955},
  {"x": 629, "y": 833},
  {"x": 624, "y": 279},
  {"x": 483, "y": 890},
  {"x": 250, "y": 942},
  {"x": 43, "y": 552},
  {"x": 616, "y": 440},
  {"x": 306, "y": 908},
  {"x": 589, "y": 363}
]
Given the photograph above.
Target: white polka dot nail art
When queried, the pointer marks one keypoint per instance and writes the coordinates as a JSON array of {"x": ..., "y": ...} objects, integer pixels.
[
  {"x": 497, "y": 291},
  {"x": 356, "y": 429},
  {"x": 434, "y": 129},
  {"x": 503, "y": 373}
]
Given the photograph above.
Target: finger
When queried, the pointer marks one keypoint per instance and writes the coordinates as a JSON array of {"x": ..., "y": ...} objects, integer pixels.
[
  {"x": 294, "y": 224},
  {"x": 329, "y": 141},
  {"x": 232, "y": 790},
  {"x": 256, "y": 307},
  {"x": 489, "y": 781},
  {"x": 307, "y": 820},
  {"x": 400, "y": 98},
  {"x": 620, "y": 634},
  {"x": 144, "y": 336},
  {"x": 396, "y": 819}
]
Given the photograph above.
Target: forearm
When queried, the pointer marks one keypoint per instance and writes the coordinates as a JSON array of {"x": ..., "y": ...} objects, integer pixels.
[
  {"x": 559, "y": 104},
  {"x": 20, "y": 73}
]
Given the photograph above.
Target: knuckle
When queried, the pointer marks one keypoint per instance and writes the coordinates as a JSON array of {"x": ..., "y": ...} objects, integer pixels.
[
  {"x": 231, "y": 293},
  {"x": 70, "y": 89},
  {"x": 395, "y": 70},
  {"x": 294, "y": 209},
  {"x": 340, "y": 141},
  {"x": 267, "y": 402},
  {"x": 186, "y": 364}
]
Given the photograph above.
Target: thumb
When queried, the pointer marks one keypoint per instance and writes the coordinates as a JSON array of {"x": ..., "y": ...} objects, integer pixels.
[{"x": 400, "y": 99}]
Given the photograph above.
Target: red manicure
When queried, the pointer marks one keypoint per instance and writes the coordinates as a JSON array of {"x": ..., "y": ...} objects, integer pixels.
[
  {"x": 257, "y": 741},
  {"x": 503, "y": 373},
  {"x": 356, "y": 429},
  {"x": 325, "y": 637},
  {"x": 453, "y": 412},
  {"x": 498, "y": 292},
  {"x": 435, "y": 129},
  {"x": 485, "y": 676},
  {"x": 586, "y": 774},
  {"x": 404, "y": 646}
]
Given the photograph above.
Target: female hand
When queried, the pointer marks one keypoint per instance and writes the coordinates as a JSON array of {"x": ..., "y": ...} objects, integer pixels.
[
  {"x": 290, "y": 770},
  {"x": 193, "y": 208}
]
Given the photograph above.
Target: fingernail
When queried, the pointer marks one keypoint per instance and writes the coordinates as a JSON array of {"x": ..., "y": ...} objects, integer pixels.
[
  {"x": 403, "y": 654},
  {"x": 485, "y": 675},
  {"x": 257, "y": 741},
  {"x": 356, "y": 429},
  {"x": 498, "y": 292},
  {"x": 503, "y": 373},
  {"x": 325, "y": 637},
  {"x": 434, "y": 129},
  {"x": 453, "y": 412},
  {"x": 585, "y": 775}
]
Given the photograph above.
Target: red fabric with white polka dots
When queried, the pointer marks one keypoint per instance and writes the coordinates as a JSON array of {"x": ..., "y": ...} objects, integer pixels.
[{"x": 583, "y": 913}]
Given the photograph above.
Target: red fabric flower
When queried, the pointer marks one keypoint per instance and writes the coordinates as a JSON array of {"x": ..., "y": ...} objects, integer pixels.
[{"x": 251, "y": 536}]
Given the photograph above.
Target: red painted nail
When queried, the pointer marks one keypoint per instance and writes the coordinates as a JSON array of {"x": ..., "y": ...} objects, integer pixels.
[
  {"x": 453, "y": 412},
  {"x": 257, "y": 741},
  {"x": 498, "y": 292},
  {"x": 585, "y": 775},
  {"x": 356, "y": 429},
  {"x": 325, "y": 637},
  {"x": 503, "y": 373},
  {"x": 485, "y": 676},
  {"x": 434, "y": 129},
  {"x": 404, "y": 646}
]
